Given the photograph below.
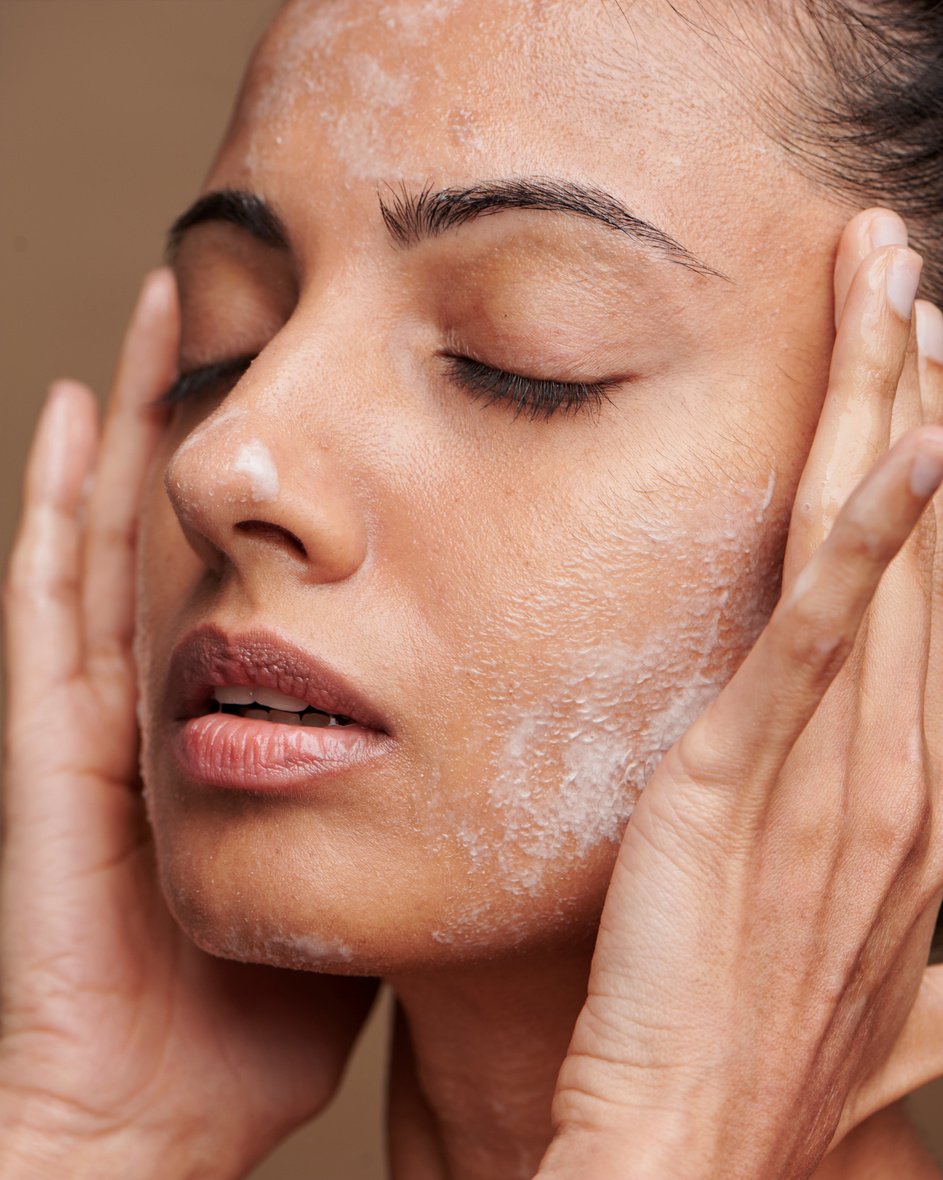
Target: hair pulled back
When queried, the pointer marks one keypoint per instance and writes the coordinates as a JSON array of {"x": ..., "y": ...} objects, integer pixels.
[{"x": 868, "y": 117}]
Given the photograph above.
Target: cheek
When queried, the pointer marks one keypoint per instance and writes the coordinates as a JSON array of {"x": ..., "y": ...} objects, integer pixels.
[{"x": 572, "y": 691}]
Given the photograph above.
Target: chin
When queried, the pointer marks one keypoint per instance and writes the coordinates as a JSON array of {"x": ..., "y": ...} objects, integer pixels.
[{"x": 275, "y": 884}]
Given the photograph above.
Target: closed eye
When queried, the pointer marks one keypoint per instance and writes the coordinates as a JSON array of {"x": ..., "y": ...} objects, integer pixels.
[
  {"x": 210, "y": 378},
  {"x": 533, "y": 397}
]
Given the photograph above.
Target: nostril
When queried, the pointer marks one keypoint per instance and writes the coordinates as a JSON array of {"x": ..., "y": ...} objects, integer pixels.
[{"x": 264, "y": 530}]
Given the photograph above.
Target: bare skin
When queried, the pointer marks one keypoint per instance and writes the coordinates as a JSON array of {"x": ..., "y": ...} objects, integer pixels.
[
  {"x": 682, "y": 1041},
  {"x": 48, "y": 1070}
]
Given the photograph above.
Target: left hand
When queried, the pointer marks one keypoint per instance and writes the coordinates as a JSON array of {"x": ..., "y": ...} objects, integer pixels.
[{"x": 760, "y": 985}]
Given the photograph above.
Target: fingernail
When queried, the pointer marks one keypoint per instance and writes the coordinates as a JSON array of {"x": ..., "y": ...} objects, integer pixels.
[
  {"x": 930, "y": 331},
  {"x": 887, "y": 229},
  {"x": 902, "y": 277}
]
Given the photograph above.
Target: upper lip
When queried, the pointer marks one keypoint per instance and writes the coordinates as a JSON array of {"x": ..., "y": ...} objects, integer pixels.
[{"x": 209, "y": 657}]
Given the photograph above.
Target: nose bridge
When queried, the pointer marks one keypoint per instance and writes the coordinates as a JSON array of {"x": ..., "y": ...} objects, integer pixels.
[{"x": 248, "y": 489}]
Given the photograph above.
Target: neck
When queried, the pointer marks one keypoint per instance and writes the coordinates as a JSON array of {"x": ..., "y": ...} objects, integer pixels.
[{"x": 475, "y": 1062}]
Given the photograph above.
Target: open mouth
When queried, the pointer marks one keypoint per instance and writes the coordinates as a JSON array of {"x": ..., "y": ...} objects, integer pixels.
[{"x": 265, "y": 704}]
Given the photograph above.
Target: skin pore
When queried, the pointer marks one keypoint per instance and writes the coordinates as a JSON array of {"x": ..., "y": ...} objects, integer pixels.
[{"x": 539, "y": 606}]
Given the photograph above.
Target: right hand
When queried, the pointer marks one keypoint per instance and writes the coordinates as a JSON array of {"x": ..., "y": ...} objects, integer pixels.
[
  {"x": 759, "y": 986},
  {"x": 124, "y": 1050}
]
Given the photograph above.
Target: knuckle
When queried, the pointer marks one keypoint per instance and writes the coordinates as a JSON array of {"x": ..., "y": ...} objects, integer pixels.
[
  {"x": 899, "y": 825},
  {"x": 858, "y": 541},
  {"x": 28, "y": 589},
  {"x": 698, "y": 756},
  {"x": 813, "y": 640}
]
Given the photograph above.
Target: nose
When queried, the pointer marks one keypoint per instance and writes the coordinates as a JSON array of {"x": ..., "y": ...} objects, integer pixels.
[{"x": 248, "y": 493}]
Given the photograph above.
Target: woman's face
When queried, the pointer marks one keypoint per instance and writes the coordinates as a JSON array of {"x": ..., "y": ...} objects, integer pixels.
[{"x": 532, "y": 605}]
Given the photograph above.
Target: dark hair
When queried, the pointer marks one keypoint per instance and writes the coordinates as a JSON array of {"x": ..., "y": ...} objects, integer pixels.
[{"x": 867, "y": 117}]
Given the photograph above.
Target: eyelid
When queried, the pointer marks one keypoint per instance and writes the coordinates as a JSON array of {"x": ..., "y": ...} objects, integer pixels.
[{"x": 535, "y": 397}]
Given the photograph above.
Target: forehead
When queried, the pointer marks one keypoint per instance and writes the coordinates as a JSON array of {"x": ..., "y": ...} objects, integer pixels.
[
  {"x": 632, "y": 98},
  {"x": 423, "y": 81}
]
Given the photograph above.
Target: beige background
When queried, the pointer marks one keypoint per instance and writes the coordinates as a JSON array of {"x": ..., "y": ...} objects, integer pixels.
[{"x": 109, "y": 113}]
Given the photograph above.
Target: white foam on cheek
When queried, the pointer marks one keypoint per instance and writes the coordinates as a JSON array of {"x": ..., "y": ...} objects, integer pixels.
[
  {"x": 568, "y": 769},
  {"x": 254, "y": 460},
  {"x": 603, "y": 760}
]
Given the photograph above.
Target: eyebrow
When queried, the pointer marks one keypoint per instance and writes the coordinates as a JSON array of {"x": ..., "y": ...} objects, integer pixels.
[
  {"x": 412, "y": 217},
  {"x": 246, "y": 210}
]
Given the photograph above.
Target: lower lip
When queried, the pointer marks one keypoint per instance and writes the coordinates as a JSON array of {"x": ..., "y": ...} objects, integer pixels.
[{"x": 239, "y": 753}]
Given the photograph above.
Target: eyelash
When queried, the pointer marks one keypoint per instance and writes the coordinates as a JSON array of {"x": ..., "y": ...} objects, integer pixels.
[
  {"x": 535, "y": 397},
  {"x": 204, "y": 379}
]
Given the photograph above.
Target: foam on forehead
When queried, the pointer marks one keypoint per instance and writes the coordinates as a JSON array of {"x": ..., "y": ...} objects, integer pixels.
[
  {"x": 362, "y": 69},
  {"x": 368, "y": 38}
]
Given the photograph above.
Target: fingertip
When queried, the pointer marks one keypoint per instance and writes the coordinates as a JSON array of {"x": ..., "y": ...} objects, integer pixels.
[
  {"x": 147, "y": 361},
  {"x": 853, "y": 248},
  {"x": 65, "y": 442},
  {"x": 157, "y": 301},
  {"x": 884, "y": 227},
  {"x": 76, "y": 394},
  {"x": 929, "y": 331},
  {"x": 871, "y": 229},
  {"x": 159, "y": 289},
  {"x": 903, "y": 268}
]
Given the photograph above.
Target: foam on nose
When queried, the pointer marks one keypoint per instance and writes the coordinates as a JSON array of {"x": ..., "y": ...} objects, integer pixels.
[{"x": 254, "y": 460}]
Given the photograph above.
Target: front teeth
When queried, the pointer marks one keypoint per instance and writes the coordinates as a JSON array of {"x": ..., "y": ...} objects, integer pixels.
[
  {"x": 238, "y": 694},
  {"x": 265, "y": 704}
]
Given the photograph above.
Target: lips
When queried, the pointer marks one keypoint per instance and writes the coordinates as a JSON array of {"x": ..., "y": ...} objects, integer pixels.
[
  {"x": 209, "y": 659},
  {"x": 239, "y": 749}
]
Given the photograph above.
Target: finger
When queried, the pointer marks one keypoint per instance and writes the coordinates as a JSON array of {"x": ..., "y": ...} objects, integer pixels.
[
  {"x": 854, "y": 428},
  {"x": 898, "y": 625},
  {"x": 746, "y": 734},
  {"x": 132, "y": 429},
  {"x": 929, "y": 320},
  {"x": 43, "y": 636},
  {"x": 868, "y": 231},
  {"x": 930, "y": 363}
]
